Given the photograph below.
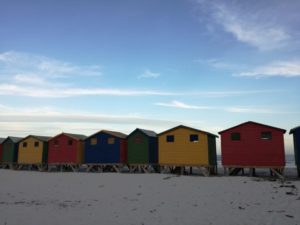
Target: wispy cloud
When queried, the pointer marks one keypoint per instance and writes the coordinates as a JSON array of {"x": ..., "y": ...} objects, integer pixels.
[
  {"x": 149, "y": 74},
  {"x": 45, "y": 120},
  {"x": 54, "y": 92},
  {"x": 219, "y": 64},
  {"x": 181, "y": 105},
  {"x": 23, "y": 64},
  {"x": 248, "y": 110},
  {"x": 231, "y": 109},
  {"x": 255, "y": 23},
  {"x": 279, "y": 68}
]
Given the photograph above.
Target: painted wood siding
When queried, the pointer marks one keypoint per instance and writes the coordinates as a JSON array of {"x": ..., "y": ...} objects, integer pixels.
[
  {"x": 182, "y": 151},
  {"x": 63, "y": 152},
  {"x": 296, "y": 136},
  {"x": 138, "y": 148},
  {"x": 10, "y": 152},
  {"x": 1, "y": 152},
  {"x": 103, "y": 151},
  {"x": 30, "y": 154},
  {"x": 212, "y": 150},
  {"x": 251, "y": 150}
]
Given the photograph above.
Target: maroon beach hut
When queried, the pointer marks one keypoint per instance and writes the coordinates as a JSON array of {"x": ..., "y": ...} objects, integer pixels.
[{"x": 253, "y": 145}]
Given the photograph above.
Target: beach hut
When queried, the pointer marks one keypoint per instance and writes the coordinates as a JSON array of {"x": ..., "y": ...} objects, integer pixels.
[
  {"x": 1, "y": 141},
  {"x": 296, "y": 135},
  {"x": 252, "y": 145},
  {"x": 66, "y": 151},
  {"x": 33, "y": 151},
  {"x": 10, "y": 151},
  {"x": 105, "y": 150},
  {"x": 142, "y": 149},
  {"x": 184, "y": 146}
]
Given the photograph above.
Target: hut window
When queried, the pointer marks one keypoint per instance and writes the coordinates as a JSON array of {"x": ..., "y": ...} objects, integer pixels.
[
  {"x": 56, "y": 143},
  {"x": 194, "y": 138},
  {"x": 111, "y": 141},
  {"x": 70, "y": 142},
  {"x": 24, "y": 144},
  {"x": 235, "y": 136},
  {"x": 93, "y": 141},
  {"x": 170, "y": 138},
  {"x": 266, "y": 135},
  {"x": 36, "y": 144},
  {"x": 138, "y": 140}
]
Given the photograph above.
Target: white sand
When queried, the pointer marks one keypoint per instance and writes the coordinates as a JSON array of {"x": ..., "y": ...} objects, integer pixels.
[{"x": 29, "y": 198}]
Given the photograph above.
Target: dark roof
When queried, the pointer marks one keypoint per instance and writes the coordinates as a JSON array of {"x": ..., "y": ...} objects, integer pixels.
[
  {"x": 148, "y": 133},
  {"x": 74, "y": 136},
  {"x": 14, "y": 139},
  {"x": 190, "y": 128},
  {"x": 40, "y": 138},
  {"x": 294, "y": 129},
  {"x": 260, "y": 124},
  {"x": 113, "y": 133},
  {"x": 1, "y": 140}
]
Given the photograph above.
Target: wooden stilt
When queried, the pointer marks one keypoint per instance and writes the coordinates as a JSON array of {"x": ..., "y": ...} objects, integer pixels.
[{"x": 278, "y": 173}]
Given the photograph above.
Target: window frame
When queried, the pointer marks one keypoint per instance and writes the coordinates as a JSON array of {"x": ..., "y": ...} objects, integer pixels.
[
  {"x": 111, "y": 140},
  {"x": 193, "y": 139},
  {"x": 235, "y": 136},
  {"x": 56, "y": 143},
  {"x": 94, "y": 141},
  {"x": 266, "y": 135},
  {"x": 170, "y": 138},
  {"x": 70, "y": 142},
  {"x": 36, "y": 144}
]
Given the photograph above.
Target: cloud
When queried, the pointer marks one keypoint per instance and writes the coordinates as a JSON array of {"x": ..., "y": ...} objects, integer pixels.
[
  {"x": 149, "y": 74},
  {"x": 219, "y": 64},
  {"x": 248, "y": 110},
  {"x": 232, "y": 109},
  {"x": 23, "y": 64},
  {"x": 50, "y": 121},
  {"x": 279, "y": 68},
  {"x": 255, "y": 23},
  {"x": 54, "y": 92},
  {"x": 181, "y": 105}
]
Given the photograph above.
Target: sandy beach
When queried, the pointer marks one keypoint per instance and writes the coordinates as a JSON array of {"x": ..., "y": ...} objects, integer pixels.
[{"x": 31, "y": 198}]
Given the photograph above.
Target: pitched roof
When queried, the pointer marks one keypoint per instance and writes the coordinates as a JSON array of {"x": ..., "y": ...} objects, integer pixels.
[
  {"x": 113, "y": 133},
  {"x": 148, "y": 133},
  {"x": 190, "y": 128},
  {"x": 1, "y": 140},
  {"x": 40, "y": 138},
  {"x": 14, "y": 139},
  {"x": 294, "y": 129},
  {"x": 74, "y": 136},
  {"x": 260, "y": 124}
]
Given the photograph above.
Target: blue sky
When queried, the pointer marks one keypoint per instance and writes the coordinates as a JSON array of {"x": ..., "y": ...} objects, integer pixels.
[{"x": 83, "y": 66}]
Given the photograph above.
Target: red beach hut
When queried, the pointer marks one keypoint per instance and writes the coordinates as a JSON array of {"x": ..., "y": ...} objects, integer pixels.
[
  {"x": 253, "y": 145},
  {"x": 66, "y": 149}
]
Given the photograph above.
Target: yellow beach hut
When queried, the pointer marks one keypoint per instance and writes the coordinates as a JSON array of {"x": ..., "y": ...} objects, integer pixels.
[
  {"x": 184, "y": 146},
  {"x": 33, "y": 150}
]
